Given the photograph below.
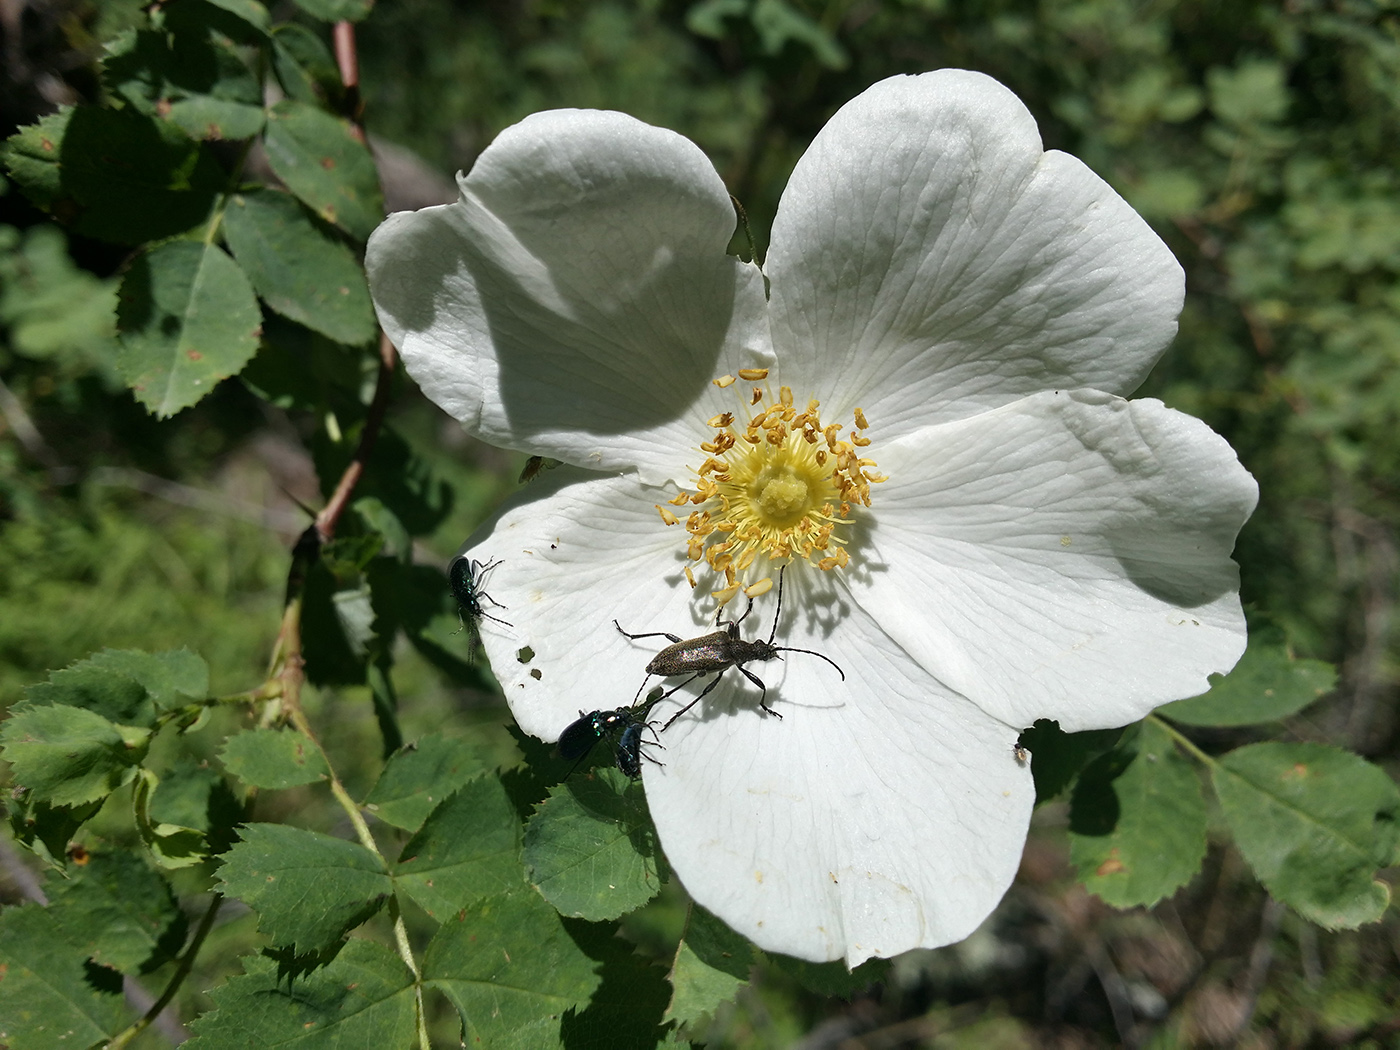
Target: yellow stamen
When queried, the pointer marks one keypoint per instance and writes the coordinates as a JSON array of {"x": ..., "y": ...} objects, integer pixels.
[
  {"x": 775, "y": 483},
  {"x": 724, "y": 381},
  {"x": 752, "y": 375},
  {"x": 667, "y": 516},
  {"x": 763, "y": 586}
]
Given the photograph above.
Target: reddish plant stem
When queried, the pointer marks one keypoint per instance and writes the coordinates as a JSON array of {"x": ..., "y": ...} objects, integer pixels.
[
  {"x": 347, "y": 59},
  {"x": 374, "y": 419}
]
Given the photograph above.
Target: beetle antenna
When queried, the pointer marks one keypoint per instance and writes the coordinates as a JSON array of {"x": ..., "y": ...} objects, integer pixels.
[
  {"x": 779, "y": 610},
  {"x": 809, "y": 652}
]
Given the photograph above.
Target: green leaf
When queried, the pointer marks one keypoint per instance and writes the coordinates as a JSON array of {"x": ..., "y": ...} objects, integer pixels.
[
  {"x": 252, "y": 12},
  {"x": 468, "y": 849},
  {"x": 830, "y": 979},
  {"x": 299, "y": 269},
  {"x": 1267, "y": 684},
  {"x": 51, "y": 998},
  {"x": 1059, "y": 756},
  {"x": 362, "y": 1000},
  {"x": 120, "y": 912},
  {"x": 188, "y": 74},
  {"x": 304, "y": 65},
  {"x": 322, "y": 161},
  {"x": 711, "y": 964},
  {"x": 114, "y": 695},
  {"x": 191, "y": 795},
  {"x": 126, "y": 685},
  {"x": 511, "y": 969},
  {"x": 418, "y": 777},
  {"x": 32, "y": 157},
  {"x": 332, "y": 658},
  {"x": 54, "y": 310},
  {"x": 378, "y": 518},
  {"x": 117, "y": 175},
  {"x": 1138, "y": 821},
  {"x": 273, "y": 758},
  {"x": 171, "y": 845},
  {"x": 68, "y": 756},
  {"x": 591, "y": 848},
  {"x": 188, "y": 318},
  {"x": 309, "y": 889},
  {"x": 625, "y": 1012},
  {"x": 45, "y": 830},
  {"x": 337, "y": 10},
  {"x": 777, "y": 22},
  {"x": 172, "y": 678},
  {"x": 1314, "y": 823}
]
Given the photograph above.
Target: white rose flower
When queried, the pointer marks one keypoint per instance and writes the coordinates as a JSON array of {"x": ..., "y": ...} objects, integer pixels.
[{"x": 926, "y": 429}]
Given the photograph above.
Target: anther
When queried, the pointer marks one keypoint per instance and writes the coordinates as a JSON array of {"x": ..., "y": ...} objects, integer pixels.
[
  {"x": 723, "y": 381},
  {"x": 763, "y": 586},
  {"x": 861, "y": 421},
  {"x": 667, "y": 516},
  {"x": 752, "y": 375}
]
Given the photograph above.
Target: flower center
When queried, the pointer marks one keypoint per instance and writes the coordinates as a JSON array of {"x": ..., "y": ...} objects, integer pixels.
[{"x": 780, "y": 485}]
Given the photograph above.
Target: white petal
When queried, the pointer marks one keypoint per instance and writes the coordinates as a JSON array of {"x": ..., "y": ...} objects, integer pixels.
[
  {"x": 577, "y": 301},
  {"x": 878, "y": 815},
  {"x": 1065, "y": 557},
  {"x": 930, "y": 261},
  {"x": 576, "y": 551}
]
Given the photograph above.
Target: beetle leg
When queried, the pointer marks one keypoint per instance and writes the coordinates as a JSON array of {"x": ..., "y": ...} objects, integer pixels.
[
  {"x": 649, "y": 634},
  {"x": 713, "y": 682},
  {"x": 758, "y": 682}
]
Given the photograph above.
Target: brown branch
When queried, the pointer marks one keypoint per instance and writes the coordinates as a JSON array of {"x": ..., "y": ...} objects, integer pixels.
[
  {"x": 374, "y": 419},
  {"x": 347, "y": 59}
]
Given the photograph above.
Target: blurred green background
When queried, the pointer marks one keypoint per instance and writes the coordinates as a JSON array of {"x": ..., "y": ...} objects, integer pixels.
[{"x": 1260, "y": 139}]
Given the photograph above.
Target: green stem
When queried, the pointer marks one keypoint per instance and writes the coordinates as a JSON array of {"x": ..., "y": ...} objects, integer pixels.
[
  {"x": 231, "y": 187},
  {"x": 1182, "y": 740},
  {"x": 362, "y": 832},
  {"x": 182, "y": 971}
]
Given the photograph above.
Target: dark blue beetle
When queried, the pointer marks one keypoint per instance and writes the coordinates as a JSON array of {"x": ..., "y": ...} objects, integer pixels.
[
  {"x": 467, "y": 578},
  {"x": 580, "y": 735}
]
